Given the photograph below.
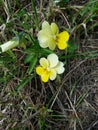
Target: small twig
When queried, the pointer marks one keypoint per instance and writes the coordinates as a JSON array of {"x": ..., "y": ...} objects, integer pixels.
[
  {"x": 73, "y": 109},
  {"x": 92, "y": 125},
  {"x": 63, "y": 17},
  {"x": 58, "y": 100}
]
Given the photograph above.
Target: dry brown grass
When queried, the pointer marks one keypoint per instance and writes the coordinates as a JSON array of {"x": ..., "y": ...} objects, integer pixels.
[{"x": 69, "y": 103}]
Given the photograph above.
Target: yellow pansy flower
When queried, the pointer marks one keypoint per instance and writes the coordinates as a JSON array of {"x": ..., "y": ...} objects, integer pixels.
[
  {"x": 49, "y": 67},
  {"x": 49, "y": 36}
]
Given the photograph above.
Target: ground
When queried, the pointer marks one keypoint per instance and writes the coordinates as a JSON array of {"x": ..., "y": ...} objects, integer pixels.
[{"x": 71, "y": 101}]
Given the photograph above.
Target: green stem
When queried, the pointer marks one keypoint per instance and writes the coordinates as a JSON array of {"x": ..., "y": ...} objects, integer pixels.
[{"x": 36, "y": 15}]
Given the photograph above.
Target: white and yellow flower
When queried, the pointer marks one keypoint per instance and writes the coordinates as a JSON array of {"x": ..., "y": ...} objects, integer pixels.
[
  {"x": 50, "y": 67},
  {"x": 50, "y": 37}
]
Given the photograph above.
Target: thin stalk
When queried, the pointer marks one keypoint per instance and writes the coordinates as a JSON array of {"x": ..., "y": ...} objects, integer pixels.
[{"x": 35, "y": 14}]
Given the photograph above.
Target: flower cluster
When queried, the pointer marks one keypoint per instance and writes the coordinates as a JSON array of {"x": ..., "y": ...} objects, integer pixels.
[{"x": 50, "y": 37}]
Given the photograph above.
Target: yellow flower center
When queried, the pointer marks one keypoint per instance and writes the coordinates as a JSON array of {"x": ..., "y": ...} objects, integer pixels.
[{"x": 44, "y": 73}]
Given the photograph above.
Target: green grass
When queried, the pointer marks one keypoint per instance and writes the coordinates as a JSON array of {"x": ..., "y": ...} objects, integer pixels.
[{"x": 70, "y": 101}]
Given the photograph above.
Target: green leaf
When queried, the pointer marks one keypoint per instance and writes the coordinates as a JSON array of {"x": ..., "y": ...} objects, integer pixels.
[
  {"x": 29, "y": 58},
  {"x": 66, "y": 1},
  {"x": 46, "y": 51},
  {"x": 12, "y": 55},
  {"x": 72, "y": 46},
  {"x": 32, "y": 64}
]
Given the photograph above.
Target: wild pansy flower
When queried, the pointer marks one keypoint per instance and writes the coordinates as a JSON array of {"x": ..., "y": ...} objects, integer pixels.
[
  {"x": 49, "y": 36},
  {"x": 50, "y": 67}
]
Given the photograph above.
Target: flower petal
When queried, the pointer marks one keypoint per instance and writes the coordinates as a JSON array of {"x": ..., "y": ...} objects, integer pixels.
[
  {"x": 53, "y": 60},
  {"x": 63, "y": 36},
  {"x": 45, "y": 25},
  {"x": 62, "y": 45},
  {"x": 39, "y": 70},
  {"x": 51, "y": 44},
  {"x": 53, "y": 74},
  {"x": 60, "y": 68},
  {"x": 44, "y": 62},
  {"x": 62, "y": 39},
  {"x": 44, "y": 37},
  {"x": 54, "y": 28},
  {"x": 45, "y": 76}
]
